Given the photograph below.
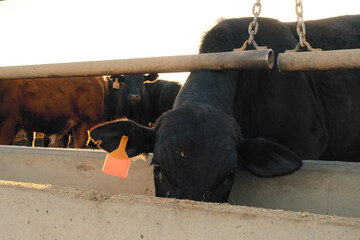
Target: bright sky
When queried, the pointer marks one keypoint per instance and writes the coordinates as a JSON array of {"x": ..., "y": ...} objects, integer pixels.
[{"x": 50, "y": 31}]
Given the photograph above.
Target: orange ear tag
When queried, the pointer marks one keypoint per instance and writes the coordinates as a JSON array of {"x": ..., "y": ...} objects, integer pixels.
[
  {"x": 116, "y": 84},
  {"x": 117, "y": 163}
]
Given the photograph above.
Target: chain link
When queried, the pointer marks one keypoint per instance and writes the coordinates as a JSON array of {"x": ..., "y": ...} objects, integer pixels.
[
  {"x": 300, "y": 27},
  {"x": 256, "y": 9},
  {"x": 253, "y": 27}
]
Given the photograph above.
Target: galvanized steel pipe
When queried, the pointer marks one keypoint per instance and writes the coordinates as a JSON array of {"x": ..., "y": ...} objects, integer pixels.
[
  {"x": 251, "y": 59},
  {"x": 319, "y": 60}
]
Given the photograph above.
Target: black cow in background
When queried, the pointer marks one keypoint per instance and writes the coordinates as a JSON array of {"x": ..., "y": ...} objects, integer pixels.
[
  {"x": 143, "y": 98},
  {"x": 134, "y": 101},
  {"x": 260, "y": 120},
  {"x": 162, "y": 94}
]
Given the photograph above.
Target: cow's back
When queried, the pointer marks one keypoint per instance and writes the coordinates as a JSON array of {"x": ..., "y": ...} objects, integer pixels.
[
  {"x": 332, "y": 33},
  {"x": 323, "y": 106}
]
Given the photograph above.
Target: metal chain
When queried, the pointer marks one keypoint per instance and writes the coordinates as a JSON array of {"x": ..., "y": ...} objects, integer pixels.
[
  {"x": 253, "y": 27},
  {"x": 300, "y": 28}
]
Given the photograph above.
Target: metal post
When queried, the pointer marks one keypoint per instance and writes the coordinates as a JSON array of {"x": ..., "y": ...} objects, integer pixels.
[
  {"x": 319, "y": 60},
  {"x": 251, "y": 59}
]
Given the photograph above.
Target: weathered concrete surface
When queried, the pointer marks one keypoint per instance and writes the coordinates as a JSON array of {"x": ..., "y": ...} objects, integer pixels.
[
  {"x": 318, "y": 187},
  {"x": 78, "y": 168},
  {"x": 30, "y": 211}
]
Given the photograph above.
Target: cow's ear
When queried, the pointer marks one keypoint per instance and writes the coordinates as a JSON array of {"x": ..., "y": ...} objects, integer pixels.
[
  {"x": 265, "y": 158},
  {"x": 151, "y": 77},
  {"x": 108, "y": 135}
]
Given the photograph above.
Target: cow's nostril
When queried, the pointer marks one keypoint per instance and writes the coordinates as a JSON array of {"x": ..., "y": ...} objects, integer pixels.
[{"x": 134, "y": 98}]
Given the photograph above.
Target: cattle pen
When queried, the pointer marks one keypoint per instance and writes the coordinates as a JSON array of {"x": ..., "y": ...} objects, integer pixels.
[{"x": 62, "y": 194}]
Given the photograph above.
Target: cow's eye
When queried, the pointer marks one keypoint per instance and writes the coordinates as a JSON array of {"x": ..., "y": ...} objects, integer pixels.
[
  {"x": 156, "y": 166},
  {"x": 232, "y": 174}
]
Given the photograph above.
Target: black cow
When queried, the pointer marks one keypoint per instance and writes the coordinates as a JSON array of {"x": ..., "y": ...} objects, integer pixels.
[
  {"x": 162, "y": 94},
  {"x": 261, "y": 120},
  {"x": 134, "y": 101}
]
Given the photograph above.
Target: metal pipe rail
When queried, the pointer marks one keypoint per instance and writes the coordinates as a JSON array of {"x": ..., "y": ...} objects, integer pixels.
[
  {"x": 251, "y": 59},
  {"x": 319, "y": 60}
]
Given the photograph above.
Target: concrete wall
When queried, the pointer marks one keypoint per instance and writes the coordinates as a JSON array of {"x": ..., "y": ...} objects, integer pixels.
[
  {"x": 79, "y": 168},
  {"x": 31, "y": 211},
  {"x": 319, "y": 187}
]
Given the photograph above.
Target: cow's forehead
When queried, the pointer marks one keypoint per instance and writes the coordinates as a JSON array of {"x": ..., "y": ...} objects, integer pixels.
[
  {"x": 196, "y": 136},
  {"x": 195, "y": 141},
  {"x": 194, "y": 121},
  {"x": 134, "y": 77}
]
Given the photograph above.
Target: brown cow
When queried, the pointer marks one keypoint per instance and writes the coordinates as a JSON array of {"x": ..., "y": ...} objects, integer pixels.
[{"x": 52, "y": 106}]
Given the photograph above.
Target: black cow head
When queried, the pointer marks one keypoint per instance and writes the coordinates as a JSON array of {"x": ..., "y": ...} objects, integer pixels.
[
  {"x": 134, "y": 85},
  {"x": 197, "y": 150}
]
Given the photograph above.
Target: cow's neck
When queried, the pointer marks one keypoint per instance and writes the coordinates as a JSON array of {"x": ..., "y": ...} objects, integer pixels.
[{"x": 214, "y": 88}]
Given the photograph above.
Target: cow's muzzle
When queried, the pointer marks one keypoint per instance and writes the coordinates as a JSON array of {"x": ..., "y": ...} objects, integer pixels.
[{"x": 134, "y": 98}]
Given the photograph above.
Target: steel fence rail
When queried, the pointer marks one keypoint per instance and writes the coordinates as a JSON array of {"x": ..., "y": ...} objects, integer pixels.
[{"x": 251, "y": 59}]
